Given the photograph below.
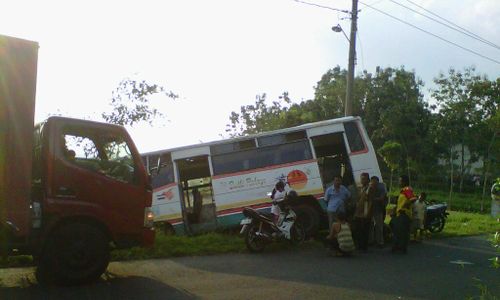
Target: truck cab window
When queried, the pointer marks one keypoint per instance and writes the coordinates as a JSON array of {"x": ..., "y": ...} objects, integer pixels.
[{"x": 107, "y": 155}]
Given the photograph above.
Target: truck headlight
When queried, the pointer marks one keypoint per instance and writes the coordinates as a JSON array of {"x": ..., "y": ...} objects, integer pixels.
[{"x": 149, "y": 217}]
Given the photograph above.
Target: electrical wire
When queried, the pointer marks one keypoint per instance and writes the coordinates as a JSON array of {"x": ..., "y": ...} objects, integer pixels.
[
  {"x": 411, "y": 25},
  {"x": 322, "y": 6},
  {"x": 434, "y": 35},
  {"x": 471, "y": 35},
  {"x": 457, "y": 26}
]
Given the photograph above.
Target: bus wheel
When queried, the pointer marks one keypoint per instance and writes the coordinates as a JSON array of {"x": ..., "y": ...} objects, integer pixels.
[
  {"x": 74, "y": 254},
  {"x": 309, "y": 218}
]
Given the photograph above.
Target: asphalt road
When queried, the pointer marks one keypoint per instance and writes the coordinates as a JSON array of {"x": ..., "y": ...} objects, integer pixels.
[{"x": 440, "y": 269}]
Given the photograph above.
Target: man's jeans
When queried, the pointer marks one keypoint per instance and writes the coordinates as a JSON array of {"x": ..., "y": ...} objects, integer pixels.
[
  {"x": 361, "y": 232},
  {"x": 401, "y": 230},
  {"x": 379, "y": 228}
]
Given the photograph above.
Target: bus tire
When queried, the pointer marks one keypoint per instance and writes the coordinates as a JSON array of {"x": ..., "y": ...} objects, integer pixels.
[
  {"x": 309, "y": 218},
  {"x": 74, "y": 254}
]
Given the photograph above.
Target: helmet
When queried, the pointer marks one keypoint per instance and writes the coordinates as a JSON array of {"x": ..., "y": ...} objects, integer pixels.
[{"x": 292, "y": 194}]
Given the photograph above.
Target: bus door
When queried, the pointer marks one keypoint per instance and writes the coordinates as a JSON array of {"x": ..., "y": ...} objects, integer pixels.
[
  {"x": 197, "y": 201},
  {"x": 332, "y": 158}
]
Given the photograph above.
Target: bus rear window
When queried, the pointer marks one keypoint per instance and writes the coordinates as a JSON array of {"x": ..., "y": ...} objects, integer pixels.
[
  {"x": 354, "y": 138},
  {"x": 164, "y": 172}
]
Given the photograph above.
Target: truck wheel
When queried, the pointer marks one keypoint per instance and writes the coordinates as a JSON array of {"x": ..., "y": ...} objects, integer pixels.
[
  {"x": 309, "y": 218},
  {"x": 74, "y": 254}
]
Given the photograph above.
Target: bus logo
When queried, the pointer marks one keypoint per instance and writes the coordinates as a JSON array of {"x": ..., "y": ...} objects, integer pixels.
[
  {"x": 297, "y": 179},
  {"x": 168, "y": 194}
]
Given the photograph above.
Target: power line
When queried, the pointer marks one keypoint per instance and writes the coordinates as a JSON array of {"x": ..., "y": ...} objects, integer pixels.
[
  {"x": 414, "y": 26},
  {"x": 376, "y": 2},
  {"x": 451, "y": 27},
  {"x": 457, "y": 26},
  {"x": 322, "y": 6},
  {"x": 434, "y": 35}
]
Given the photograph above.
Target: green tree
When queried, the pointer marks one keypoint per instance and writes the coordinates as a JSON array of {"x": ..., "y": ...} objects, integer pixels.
[
  {"x": 131, "y": 102},
  {"x": 392, "y": 107},
  {"x": 391, "y": 153},
  {"x": 486, "y": 128},
  {"x": 259, "y": 117},
  {"x": 329, "y": 95},
  {"x": 462, "y": 110}
]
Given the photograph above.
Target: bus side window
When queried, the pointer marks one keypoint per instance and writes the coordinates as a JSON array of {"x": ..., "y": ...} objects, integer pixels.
[{"x": 354, "y": 137}]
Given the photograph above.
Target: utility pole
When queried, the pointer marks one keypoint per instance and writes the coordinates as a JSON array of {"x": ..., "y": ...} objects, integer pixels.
[{"x": 352, "y": 59}]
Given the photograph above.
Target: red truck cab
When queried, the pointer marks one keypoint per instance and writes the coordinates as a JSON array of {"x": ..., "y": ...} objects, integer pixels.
[
  {"x": 91, "y": 172},
  {"x": 71, "y": 190}
]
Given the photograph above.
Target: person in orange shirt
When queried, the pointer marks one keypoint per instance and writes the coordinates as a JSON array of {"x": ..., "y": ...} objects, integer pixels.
[{"x": 402, "y": 219}]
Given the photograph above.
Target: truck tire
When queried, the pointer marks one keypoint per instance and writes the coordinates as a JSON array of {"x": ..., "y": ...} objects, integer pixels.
[
  {"x": 309, "y": 218},
  {"x": 74, "y": 254}
]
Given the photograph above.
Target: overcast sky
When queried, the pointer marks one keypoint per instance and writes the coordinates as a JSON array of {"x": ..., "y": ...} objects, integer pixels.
[{"x": 217, "y": 55}]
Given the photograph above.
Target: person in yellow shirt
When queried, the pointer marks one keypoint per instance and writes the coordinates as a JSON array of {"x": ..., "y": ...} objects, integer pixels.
[{"x": 402, "y": 219}]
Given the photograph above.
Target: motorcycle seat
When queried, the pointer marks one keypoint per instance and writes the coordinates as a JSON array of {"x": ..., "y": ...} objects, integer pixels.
[
  {"x": 437, "y": 207},
  {"x": 266, "y": 216},
  {"x": 252, "y": 213}
]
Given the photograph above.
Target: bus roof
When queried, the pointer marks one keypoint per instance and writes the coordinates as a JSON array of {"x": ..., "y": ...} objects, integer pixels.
[{"x": 252, "y": 136}]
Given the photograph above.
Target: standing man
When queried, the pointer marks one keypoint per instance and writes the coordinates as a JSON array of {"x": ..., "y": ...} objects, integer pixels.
[
  {"x": 379, "y": 204},
  {"x": 363, "y": 214},
  {"x": 335, "y": 197},
  {"x": 402, "y": 220}
]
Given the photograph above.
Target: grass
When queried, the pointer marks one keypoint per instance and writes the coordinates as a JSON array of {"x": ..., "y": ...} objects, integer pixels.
[
  {"x": 16, "y": 261},
  {"x": 465, "y": 224},
  {"x": 170, "y": 246},
  {"x": 465, "y": 201},
  {"x": 458, "y": 224}
]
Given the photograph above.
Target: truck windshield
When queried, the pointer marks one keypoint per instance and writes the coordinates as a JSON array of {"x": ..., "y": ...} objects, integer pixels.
[{"x": 108, "y": 155}]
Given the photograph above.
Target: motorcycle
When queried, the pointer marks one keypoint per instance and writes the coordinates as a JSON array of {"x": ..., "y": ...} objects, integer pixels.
[
  {"x": 435, "y": 217},
  {"x": 259, "y": 228}
]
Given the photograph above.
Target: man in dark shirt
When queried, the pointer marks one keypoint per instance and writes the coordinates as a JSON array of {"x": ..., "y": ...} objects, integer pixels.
[
  {"x": 379, "y": 204},
  {"x": 364, "y": 213}
]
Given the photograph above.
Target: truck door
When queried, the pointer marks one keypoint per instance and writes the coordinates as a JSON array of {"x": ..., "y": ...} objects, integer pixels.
[{"x": 95, "y": 175}]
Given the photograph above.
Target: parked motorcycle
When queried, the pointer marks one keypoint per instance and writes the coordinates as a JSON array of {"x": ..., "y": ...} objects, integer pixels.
[
  {"x": 259, "y": 228},
  {"x": 435, "y": 217}
]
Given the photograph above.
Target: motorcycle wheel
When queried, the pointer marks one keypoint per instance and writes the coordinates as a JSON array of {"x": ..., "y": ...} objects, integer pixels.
[
  {"x": 297, "y": 233},
  {"x": 437, "y": 225},
  {"x": 253, "y": 242}
]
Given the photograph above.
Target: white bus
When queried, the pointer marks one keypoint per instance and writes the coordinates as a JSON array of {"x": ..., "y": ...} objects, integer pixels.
[{"x": 206, "y": 186}]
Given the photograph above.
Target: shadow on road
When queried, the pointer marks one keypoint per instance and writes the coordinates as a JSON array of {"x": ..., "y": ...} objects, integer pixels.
[
  {"x": 111, "y": 287},
  {"x": 428, "y": 271}
]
